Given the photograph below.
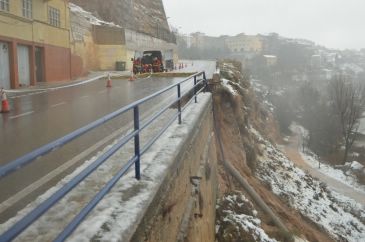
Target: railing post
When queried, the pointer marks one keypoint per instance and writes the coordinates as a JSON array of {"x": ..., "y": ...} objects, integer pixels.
[
  {"x": 179, "y": 101},
  {"x": 205, "y": 82},
  {"x": 195, "y": 97},
  {"x": 136, "y": 143}
]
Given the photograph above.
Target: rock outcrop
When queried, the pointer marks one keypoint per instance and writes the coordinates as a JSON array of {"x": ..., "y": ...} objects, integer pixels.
[{"x": 143, "y": 16}]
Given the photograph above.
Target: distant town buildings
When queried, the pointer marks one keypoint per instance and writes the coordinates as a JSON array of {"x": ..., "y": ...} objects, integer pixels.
[
  {"x": 271, "y": 60},
  {"x": 316, "y": 61},
  {"x": 245, "y": 43}
]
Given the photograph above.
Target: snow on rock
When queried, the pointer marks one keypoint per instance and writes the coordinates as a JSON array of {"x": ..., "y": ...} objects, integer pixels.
[
  {"x": 89, "y": 16},
  {"x": 226, "y": 84},
  {"x": 340, "y": 216},
  {"x": 237, "y": 220},
  {"x": 123, "y": 207},
  {"x": 262, "y": 92},
  {"x": 356, "y": 165}
]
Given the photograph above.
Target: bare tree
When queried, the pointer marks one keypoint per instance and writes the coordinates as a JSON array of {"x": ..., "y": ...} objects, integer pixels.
[{"x": 348, "y": 101}]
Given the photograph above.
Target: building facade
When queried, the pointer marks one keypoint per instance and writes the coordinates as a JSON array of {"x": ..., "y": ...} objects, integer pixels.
[
  {"x": 245, "y": 43},
  {"x": 34, "y": 42}
]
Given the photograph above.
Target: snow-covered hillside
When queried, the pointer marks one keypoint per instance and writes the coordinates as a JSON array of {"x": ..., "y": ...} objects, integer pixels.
[{"x": 340, "y": 216}]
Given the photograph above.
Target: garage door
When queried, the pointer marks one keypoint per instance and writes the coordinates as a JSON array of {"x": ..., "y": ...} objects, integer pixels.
[
  {"x": 23, "y": 65},
  {"x": 4, "y": 66}
]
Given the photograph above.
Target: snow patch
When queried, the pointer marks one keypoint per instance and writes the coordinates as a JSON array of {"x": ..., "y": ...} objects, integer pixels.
[
  {"x": 226, "y": 84},
  {"x": 341, "y": 217},
  {"x": 237, "y": 220},
  {"x": 89, "y": 16},
  {"x": 348, "y": 177}
]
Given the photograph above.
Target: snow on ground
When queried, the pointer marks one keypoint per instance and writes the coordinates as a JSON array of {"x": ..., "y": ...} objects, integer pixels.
[
  {"x": 341, "y": 217},
  {"x": 237, "y": 220},
  {"x": 226, "y": 84},
  {"x": 123, "y": 206},
  {"x": 262, "y": 92},
  {"x": 348, "y": 177}
]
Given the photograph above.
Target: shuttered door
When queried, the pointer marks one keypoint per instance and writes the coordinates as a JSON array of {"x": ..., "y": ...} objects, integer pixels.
[
  {"x": 4, "y": 66},
  {"x": 23, "y": 65}
]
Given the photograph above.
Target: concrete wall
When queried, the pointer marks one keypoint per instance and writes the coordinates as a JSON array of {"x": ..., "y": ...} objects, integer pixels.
[
  {"x": 96, "y": 48},
  {"x": 109, "y": 54},
  {"x": 184, "y": 207}
]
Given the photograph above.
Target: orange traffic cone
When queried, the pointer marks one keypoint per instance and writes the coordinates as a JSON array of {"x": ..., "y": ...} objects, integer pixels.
[
  {"x": 132, "y": 77},
  {"x": 109, "y": 81},
  {"x": 4, "y": 102}
]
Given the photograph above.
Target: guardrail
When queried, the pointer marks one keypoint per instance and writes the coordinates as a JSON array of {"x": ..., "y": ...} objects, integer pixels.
[{"x": 199, "y": 84}]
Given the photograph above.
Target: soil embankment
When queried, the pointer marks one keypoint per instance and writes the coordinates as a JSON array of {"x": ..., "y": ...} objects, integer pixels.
[{"x": 235, "y": 113}]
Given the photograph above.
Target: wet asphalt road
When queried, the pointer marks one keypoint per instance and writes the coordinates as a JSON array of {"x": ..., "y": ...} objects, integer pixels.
[{"x": 38, "y": 119}]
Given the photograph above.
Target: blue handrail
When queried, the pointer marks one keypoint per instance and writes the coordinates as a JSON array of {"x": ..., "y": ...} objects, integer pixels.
[{"x": 5, "y": 170}]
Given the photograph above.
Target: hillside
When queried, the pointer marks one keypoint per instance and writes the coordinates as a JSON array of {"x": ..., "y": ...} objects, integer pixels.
[
  {"x": 307, "y": 207},
  {"x": 143, "y": 16}
]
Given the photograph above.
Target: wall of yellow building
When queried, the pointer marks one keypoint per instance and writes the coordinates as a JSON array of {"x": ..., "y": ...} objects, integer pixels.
[
  {"x": 12, "y": 27},
  {"x": 51, "y": 35},
  {"x": 37, "y": 29},
  {"x": 87, "y": 50},
  {"x": 255, "y": 43},
  {"x": 110, "y": 54},
  {"x": 245, "y": 42},
  {"x": 100, "y": 57}
]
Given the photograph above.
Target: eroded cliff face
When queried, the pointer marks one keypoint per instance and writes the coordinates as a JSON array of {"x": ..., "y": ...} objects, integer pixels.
[
  {"x": 143, "y": 16},
  {"x": 238, "y": 115}
]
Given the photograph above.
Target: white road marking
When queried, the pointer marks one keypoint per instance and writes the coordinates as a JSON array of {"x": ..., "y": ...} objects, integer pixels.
[
  {"x": 84, "y": 96},
  {"x": 58, "y": 104},
  {"x": 21, "y": 115},
  {"x": 102, "y": 91},
  {"x": 26, "y": 95}
]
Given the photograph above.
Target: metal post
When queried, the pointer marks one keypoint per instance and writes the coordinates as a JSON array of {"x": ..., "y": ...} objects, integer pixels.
[
  {"x": 136, "y": 143},
  {"x": 205, "y": 82},
  {"x": 195, "y": 97},
  {"x": 179, "y": 101}
]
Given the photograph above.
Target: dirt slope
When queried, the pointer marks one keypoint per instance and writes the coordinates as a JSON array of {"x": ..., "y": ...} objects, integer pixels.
[{"x": 240, "y": 150}]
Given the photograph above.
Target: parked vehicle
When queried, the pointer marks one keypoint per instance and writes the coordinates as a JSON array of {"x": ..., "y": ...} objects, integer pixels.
[{"x": 153, "y": 61}]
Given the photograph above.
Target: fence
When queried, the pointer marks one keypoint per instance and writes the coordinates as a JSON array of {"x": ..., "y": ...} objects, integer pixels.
[{"x": 199, "y": 84}]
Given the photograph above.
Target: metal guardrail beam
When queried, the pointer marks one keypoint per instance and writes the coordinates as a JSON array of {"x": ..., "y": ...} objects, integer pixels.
[
  {"x": 28, "y": 158},
  {"x": 26, "y": 221}
]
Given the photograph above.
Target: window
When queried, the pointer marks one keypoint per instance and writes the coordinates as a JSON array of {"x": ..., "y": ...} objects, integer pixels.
[
  {"x": 54, "y": 16},
  {"x": 27, "y": 8},
  {"x": 4, "y": 5}
]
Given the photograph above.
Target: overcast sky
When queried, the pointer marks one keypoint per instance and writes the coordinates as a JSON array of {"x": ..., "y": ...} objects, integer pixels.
[{"x": 332, "y": 23}]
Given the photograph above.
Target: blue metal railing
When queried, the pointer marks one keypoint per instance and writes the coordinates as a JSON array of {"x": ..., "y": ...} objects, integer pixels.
[{"x": 199, "y": 85}]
